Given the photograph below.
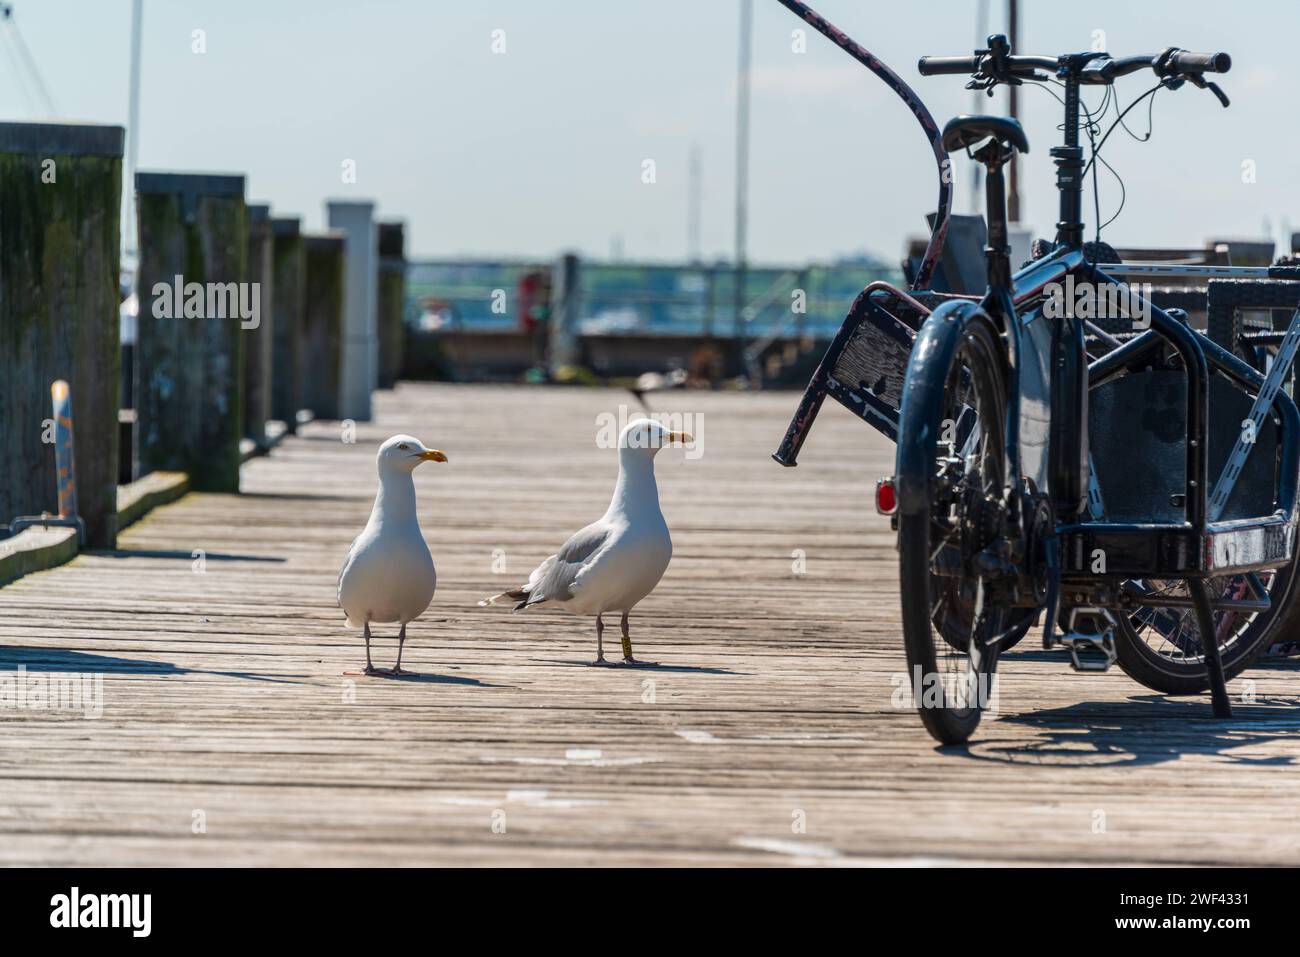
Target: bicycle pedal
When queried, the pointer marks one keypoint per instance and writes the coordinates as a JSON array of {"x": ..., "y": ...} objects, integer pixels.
[{"x": 1094, "y": 649}]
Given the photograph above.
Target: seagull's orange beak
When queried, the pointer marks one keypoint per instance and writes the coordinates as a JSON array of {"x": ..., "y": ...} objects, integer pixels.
[{"x": 432, "y": 455}]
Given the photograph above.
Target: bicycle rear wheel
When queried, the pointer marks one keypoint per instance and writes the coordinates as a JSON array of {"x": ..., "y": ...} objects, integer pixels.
[{"x": 952, "y": 429}]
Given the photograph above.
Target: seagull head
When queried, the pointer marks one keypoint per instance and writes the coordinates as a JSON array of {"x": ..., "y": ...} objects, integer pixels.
[
  {"x": 645, "y": 437},
  {"x": 402, "y": 453}
]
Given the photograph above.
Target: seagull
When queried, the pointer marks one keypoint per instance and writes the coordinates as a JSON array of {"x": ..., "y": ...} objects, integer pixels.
[
  {"x": 617, "y": 560},
  {"x": 388, "y": 574}
]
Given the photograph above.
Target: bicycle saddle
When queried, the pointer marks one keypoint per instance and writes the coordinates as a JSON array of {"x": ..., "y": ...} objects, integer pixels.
[{"x": 963, "y": 132}]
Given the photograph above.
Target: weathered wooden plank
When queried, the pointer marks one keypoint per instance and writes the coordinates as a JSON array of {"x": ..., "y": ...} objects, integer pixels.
[
  {"x": 148, "y": 492},
  {"x": 225, "y": 689},
  {"x": 36, "y": 548}
]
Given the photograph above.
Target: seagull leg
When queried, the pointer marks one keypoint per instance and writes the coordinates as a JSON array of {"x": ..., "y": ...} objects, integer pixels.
[
  {"x": 397, "y": 668},
  {"x": 370, "y": 668},
  {"x": 600, "y": 644},
  {"x": 627, "y": 647}
]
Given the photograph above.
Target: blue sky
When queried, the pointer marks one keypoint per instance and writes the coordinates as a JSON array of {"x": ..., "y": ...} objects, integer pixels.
[{"x": 540, "y": 149}]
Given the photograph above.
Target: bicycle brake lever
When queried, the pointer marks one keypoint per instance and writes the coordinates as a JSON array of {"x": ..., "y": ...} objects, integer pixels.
[{"x": 1197, "y": 80}]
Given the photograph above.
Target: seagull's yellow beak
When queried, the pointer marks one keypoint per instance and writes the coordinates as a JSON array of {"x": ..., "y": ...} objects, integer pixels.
[
  {"x": 682, "y": 437},
  {"x": 432, "y": 455}
]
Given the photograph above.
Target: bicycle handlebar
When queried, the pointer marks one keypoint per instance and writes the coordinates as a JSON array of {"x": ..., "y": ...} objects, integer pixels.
[
  {"x": 1099, "y": 68},
  {"x": 937, "y": 65},
  {"x": 1183, "y": 61}
]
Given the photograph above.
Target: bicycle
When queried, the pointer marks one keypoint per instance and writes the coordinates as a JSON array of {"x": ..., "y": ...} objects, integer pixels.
[{"x": 1010, "y": 499}]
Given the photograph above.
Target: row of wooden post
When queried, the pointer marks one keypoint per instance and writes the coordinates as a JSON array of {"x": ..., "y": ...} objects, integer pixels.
[{"x": 213, "y": 361}]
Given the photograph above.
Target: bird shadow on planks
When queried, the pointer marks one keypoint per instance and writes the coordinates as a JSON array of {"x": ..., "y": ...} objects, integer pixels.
[
  {"x": 661, "y": 667},
  {"x": 56, "y": 660},
  {"x": 431, "y": 679},
  {"x": 1144, "y": 730},
  {"x": 183, "y": 555}
]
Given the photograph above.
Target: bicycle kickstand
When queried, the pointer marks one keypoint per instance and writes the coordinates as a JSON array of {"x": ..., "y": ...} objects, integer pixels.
[{"x": 1210, "y": 649}]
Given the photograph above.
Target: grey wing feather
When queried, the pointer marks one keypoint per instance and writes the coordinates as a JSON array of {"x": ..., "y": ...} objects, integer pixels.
[
  {"x": 554, "y": 577},
  {"x": 343, "y": 570}
]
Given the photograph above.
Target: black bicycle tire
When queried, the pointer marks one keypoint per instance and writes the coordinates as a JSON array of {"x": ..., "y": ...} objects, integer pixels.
[
  {"x": 1145, "y": 666},
  {"x": 949, "y": 726}
]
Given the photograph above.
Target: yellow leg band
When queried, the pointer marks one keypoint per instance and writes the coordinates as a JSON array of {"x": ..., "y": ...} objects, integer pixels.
[{"x": 627, "y": 647}]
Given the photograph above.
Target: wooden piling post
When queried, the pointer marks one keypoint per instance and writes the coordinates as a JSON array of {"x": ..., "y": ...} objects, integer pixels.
[
  {"x": 189, "y": 346},
  {"x": 563, "y": 349},
  {"x": 289, "y": 273},
  {"x": 322, "y": 331},
  {"x": 391, "y": 301},
  {"x": 258, "y": 339},
  {"x": 60, "y": 202},
  {"x": 360, "y": 348}
]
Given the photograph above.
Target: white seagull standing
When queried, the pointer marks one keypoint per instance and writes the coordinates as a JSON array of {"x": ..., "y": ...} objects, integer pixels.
[
  {"x": 388, "y": 574},
  {"x": 617, "y": 560}
]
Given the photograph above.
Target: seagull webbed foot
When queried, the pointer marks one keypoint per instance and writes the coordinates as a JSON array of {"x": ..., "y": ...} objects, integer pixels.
[
  {"x": 372, "y": 670},
  {"x": 640, "y": 662},
  {"x": 600, "y": 662}
]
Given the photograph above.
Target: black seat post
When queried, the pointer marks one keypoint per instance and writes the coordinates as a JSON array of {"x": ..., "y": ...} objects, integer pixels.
[{"x": 998, "y": 251}]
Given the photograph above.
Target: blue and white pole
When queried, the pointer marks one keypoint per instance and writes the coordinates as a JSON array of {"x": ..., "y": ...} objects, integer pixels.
[{"x": 65, "y": 464}]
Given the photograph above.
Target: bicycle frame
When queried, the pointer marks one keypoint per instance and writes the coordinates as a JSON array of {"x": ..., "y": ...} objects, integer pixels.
[{"x": 1198, "y": 546}]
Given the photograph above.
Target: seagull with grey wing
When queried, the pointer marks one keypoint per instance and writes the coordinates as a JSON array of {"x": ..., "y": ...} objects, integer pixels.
[
  {"x": 388, "y": 574},
  {"x": 618, "y": 559}
]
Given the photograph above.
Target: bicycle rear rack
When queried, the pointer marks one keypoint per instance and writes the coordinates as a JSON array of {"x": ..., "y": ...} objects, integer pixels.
[{"x": 865, "y": 365}]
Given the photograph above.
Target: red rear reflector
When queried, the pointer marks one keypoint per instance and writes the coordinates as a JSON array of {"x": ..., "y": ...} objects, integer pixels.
[{"x": 886, "y": 500}]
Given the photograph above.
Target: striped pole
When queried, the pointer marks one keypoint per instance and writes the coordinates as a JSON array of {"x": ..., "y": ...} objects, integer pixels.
[{"x": 63, "y": 460}]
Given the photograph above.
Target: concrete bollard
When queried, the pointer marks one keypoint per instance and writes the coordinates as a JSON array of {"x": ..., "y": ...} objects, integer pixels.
[
  {"x": 195, "y": 310},
  {"x": 321, "y": 355},
  {"x": 258, "y": 341},
  {"x": 60, "y": 202},
  {"x": 360, "y": 357},
  {"x": 391, "y": 302},
  {"x": 288, "y": 285}
]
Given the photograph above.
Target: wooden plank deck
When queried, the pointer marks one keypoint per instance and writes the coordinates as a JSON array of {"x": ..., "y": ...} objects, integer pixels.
[{"x": 225, "y": 697}]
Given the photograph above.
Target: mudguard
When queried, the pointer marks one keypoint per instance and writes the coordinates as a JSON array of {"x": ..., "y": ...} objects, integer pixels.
[{"x": 923, "y": 396}]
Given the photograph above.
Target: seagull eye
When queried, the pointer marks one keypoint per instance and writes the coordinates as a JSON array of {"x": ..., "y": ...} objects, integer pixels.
[{"x": 403, "y": 446}]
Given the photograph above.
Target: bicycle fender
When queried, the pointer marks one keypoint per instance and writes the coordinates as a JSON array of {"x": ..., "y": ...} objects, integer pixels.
[{"x": 923, "y": 395}]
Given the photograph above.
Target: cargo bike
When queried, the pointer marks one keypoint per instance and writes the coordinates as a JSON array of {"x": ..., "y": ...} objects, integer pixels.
[{"x": 1129, "y": 484}]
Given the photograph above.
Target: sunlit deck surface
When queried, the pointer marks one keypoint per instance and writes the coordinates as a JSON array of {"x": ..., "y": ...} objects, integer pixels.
[{"x": 232, "y": 732}]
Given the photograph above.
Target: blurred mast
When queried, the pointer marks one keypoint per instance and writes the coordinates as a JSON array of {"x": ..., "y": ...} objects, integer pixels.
[
  {"x": 129, "y": 243},
  {"x": 693, "y": 205},
  {"x": 742, "y": 165}
]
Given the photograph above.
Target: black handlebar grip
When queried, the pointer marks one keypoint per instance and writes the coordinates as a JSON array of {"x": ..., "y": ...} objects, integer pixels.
[
  {"x": 936, "y": 65},
  {"x": 1184, "y": 61}
]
